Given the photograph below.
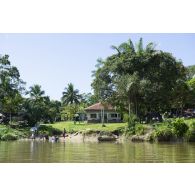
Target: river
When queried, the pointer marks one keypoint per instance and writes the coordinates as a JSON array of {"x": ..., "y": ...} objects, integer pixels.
[{"x": 47, "y": 152}]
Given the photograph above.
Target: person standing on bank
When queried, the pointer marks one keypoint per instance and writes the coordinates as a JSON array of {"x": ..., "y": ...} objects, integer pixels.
[{"x": 64, "y": 133}]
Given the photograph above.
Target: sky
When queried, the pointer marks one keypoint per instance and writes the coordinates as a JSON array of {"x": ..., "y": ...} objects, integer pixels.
[{"x": 54, "y": 60}]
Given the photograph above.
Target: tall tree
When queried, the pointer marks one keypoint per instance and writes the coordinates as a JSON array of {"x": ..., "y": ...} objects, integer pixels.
[
  {"x": 36, "y": 93},
  {"x": 11, "y": 87},
  {"x": 71, "y": 95},
  {"x": 139, "y": 76},
  {"x": 34, "y": 107}
]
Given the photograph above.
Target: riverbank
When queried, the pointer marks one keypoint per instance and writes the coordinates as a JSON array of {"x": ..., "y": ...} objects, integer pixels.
[
  {"x": 8, "y": 133},
  {"x": 171, "y": 130}
]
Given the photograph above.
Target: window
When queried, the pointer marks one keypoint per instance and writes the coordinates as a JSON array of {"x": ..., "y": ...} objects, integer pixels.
[
  {"x": 113, "y": 115},
  {"x": 93, "y": 115}
]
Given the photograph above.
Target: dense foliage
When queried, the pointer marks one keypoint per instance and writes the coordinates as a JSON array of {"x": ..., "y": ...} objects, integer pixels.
[
  {"x": 11, "y": 87},
  {"x": 141, "y": 80}
]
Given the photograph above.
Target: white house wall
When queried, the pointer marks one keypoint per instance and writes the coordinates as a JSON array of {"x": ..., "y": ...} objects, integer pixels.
[{"x": 98, "y": 116}]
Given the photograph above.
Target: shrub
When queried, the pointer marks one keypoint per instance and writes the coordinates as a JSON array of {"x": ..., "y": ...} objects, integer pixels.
[
  {"x": 190, "y": 135},
  {"x": 49, "y": 130},
  {"x": 192, "y": 125},
  {"x": 139, "y": 129},
  {"x": 132, "y": 119},
  {"x": 162, "y": 134},
  {"x": 118, "y": 131},
  {"x": 179, "y": 127},
  {"x": 9, "y": 136},
  {"x": 125, "y": 118}
]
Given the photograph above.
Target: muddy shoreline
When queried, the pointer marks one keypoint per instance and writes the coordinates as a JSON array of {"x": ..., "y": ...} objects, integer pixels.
[{"x": 79, "y": 138}]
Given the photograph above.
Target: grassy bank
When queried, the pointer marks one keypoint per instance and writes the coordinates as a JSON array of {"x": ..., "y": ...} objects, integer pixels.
[
  {"x": 172, "y": 130},
  {"x": 169, "y": 130},
  {"x": 7, "y": 133},
  {"x": 71, "y": 127}
]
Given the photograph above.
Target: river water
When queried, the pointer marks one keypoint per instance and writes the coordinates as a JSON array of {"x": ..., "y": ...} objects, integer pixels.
[{"x": 47, "y": 152}]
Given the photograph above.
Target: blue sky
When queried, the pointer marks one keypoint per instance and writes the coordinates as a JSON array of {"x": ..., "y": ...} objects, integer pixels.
[{"x": 54, "y": 60}]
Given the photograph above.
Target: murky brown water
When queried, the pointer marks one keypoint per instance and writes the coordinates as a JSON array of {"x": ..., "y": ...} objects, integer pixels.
[{"x": 46, "y": 152}]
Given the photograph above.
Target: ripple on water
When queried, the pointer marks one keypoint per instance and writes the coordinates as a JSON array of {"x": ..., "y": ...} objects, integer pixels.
[{"x": 46, "y": 152}]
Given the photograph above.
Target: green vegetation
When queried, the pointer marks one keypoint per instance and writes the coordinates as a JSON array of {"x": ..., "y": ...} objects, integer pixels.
[
  {"x": 138, "y": 80},
  {"x": 142, "y": 80},
  {"x": 170, "y": 130},
  {"x": 71, "y": 127},
  {"x": 173, "y": 130},
  {"x": 7, "y": 133},
  {"x": 49, "y": 130},
  {"x": 190, "y": 71},
  {"x": 179, "y": 127}
]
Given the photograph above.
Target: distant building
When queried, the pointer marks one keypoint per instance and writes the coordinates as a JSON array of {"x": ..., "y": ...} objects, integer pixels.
[
  {"x": 1, "y": 117},
  {"x": 96, "y": 112}
]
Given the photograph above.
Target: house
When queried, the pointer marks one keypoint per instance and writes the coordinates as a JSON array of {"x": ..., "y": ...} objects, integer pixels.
[
  {"x": 102, "y": 113},
  {"x": 1, "y": 117}
]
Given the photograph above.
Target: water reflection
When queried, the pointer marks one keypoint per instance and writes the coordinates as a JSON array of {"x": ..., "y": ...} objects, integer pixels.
[{"x": 40, "y": 152}]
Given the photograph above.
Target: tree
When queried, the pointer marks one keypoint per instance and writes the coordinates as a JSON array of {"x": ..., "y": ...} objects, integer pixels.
[
  {"x": 11, "y": 87},
  {"x": 71, "y": 95},
  {"x": 139, "y": 76},
  {"x": 34, "y": 107},
  {"x": 182, "y": 96},
  {"x": 190, "y": 71},
  {"x": 191, "y": 93},
  {"x": 52, "y": 110},
  {"x": 36, "y": 93}
]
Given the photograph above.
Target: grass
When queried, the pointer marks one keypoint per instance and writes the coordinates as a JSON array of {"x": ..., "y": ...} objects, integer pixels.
[
  {"x": 8, "y": 133},
  {"x": 86, "y": 128},
  {"x": 71, "y": 127}
]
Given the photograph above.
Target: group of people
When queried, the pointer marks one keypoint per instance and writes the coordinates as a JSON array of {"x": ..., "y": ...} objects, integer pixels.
[{"x": 54, "y": 138}]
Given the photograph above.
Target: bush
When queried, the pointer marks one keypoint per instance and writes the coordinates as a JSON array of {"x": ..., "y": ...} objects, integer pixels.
[
  {"x": 162, "y": 135},
  {"x": 9, "y": 136},
  {"x": 139, "y": 129},
  {"x": 48, "y": 130},
  {"x": 192, "y": 125},
  {"x": 132, "y": 119},
  {"x": 190, "y": 135},
  {"x": 118, "y": 131},
  {"x": 179, "y": 127}
]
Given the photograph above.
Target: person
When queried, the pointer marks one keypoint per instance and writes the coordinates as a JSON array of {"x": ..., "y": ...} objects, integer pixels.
[
  {"x": 64, "y": 133},
  {"x": 46, "y": 137},
  {"x": 56, "y": 138},
  {"x": 76, "y": 118},
  {"x": 33, "y": 136}
]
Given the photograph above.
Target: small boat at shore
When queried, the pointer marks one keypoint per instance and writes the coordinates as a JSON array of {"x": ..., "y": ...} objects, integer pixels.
[{"x": 106, "y": 138}]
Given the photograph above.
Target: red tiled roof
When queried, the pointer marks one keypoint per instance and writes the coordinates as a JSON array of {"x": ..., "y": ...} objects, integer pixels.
[{"x": 99, "y": 106}]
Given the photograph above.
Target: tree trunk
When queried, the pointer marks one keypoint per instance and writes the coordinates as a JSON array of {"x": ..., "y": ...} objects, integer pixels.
[
  {"x": 10, "y": 118},
  {"x": 181, "y": 110},
  {"x": 136, "y": 107},
  {"x": 129, "y": 106},
  {"x": 102, "y": 116}
]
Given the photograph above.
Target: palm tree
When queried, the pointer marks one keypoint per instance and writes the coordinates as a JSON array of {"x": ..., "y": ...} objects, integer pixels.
[
  {"x": 137, "y": 49},
  {"x": 130, "y": 83},
  {"x": 36, "y": 93},
  {"x": 71, "y": 95}
]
